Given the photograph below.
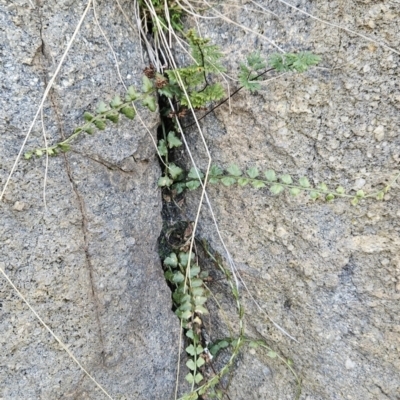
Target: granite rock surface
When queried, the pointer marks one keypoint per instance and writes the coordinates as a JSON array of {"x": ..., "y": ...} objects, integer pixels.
[
  {"x": 87, "y": 262},
  {"x": 327, "y": 273}
]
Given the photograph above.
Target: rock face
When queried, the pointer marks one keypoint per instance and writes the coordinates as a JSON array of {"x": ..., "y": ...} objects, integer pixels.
[
  {"x": 85, "y": 257},
  {"x": 87, "y": 263},
  {"x": 328, "y": 273}
]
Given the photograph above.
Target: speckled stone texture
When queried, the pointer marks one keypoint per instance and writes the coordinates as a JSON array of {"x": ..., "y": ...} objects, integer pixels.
[
  {"x": 329, "y": 274},
  {"x": 88, "y": 264}
]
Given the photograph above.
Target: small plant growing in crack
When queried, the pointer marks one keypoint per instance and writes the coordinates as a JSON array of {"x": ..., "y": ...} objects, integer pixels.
[
  {"x": 189, "y": 298},
  {"x": 190, "y": 294}
]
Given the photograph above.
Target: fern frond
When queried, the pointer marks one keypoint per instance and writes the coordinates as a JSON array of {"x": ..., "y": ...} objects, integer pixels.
[
  {"x": 299, "y": 62},
  {"x": 192, "y": 75},
  {"x": 255, "y": 61},
  {"x": 205, "y": 54},
  {"x": 248, "y": 73},
  {"x": 210, "y": 93},
  {"x": 245, "y": 79},
  {"x": 195, "y": 76}
]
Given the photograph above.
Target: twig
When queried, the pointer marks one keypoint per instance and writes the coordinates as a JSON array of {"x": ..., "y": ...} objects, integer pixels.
[{"x": 47, "y": 159}]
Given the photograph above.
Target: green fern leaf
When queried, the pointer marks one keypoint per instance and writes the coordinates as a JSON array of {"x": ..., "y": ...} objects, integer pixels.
[
  {"x": 195, "y": 173},
  {"x": 129, "y": 112},
  {"x": 215, "y": 170},
  {"x": 228, "y": 181},
  {"x": 298, "y": 62},
  {"x": 174, "y": 170},
  {"x": 101, "y": 108},
  {"x": 162, "y": 148},
  {"x": 286, "y": 179},
  {"x": 258, "y": 184},
  {"x": 255, "y": 61},
  {"x": 234, "y": 170},
  {"x": 205, "y": 54},
  {"x": 100, "y": 125},
  {"x": 248, "y": 73},
  {"x": 276, "y": 189},
  {"x": 173, "y": 141},
  {"x": 243, "y": 181},
  {"x": 192, "y": 185},
  {"x": 252, "y": 172}
]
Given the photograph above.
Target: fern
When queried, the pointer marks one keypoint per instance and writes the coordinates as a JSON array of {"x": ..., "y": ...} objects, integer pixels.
[
  {"x": 252, "y": 70},
  {"x": 280, "y": 183},
  {"x": 103, "y": 115},
  {"x": 195, "y": 77},
  {"x": 299, "y": 62},
  {"x": 249, "y": 73},
  {"x": 210, "y": 93},
  {"x": 205, "y": 54}
]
